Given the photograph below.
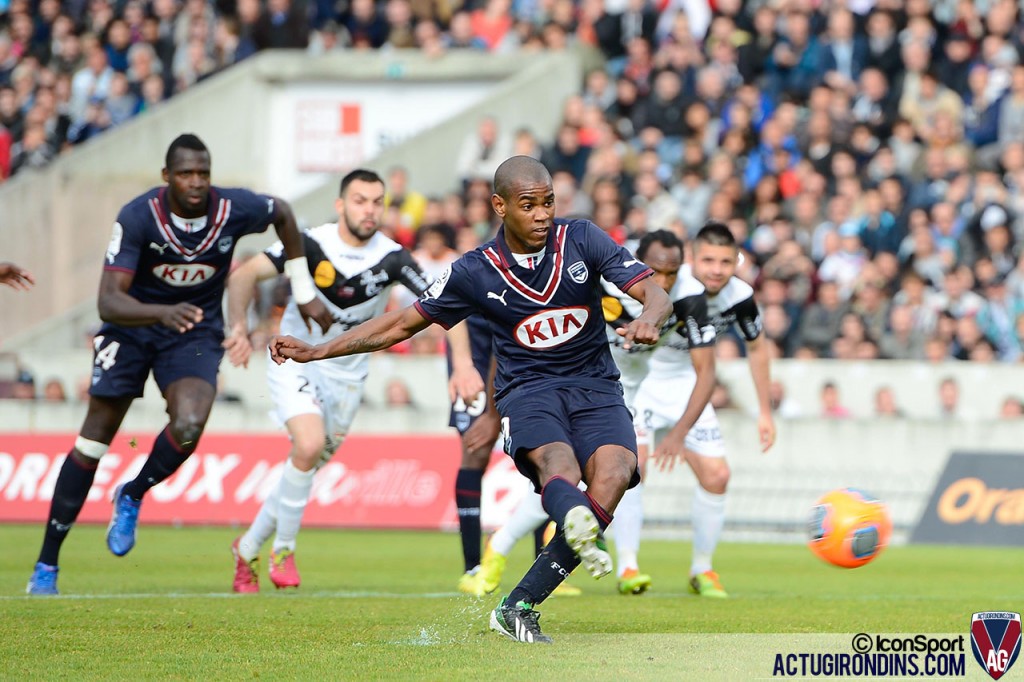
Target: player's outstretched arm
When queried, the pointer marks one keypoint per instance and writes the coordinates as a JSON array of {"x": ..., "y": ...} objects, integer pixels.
[
  {"x": 117, "y": 307},
  {"x": 671, "y": 448},
  {"x": 297, "y": 268},
  {"x": 376, "y": 334},
  {"x": 241, "y": 289},
  {"x": 760, "y": 370},
  {"x": 646, "y": 328},
  {"x": 16, "y": 277}
]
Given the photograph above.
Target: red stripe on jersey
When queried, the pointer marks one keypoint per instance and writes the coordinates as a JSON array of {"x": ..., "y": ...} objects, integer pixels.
[
  {"x": 427, "y": 316},
  {"x": 222, "y": 215},
  {"x": 554, "y": 279},
  {"x": 646, "y": 273}
]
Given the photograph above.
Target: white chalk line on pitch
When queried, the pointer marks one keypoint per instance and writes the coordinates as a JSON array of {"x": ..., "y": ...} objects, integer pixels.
[
  {"x": 291, "y": 595},
  {"x": 431, "y": 595}
]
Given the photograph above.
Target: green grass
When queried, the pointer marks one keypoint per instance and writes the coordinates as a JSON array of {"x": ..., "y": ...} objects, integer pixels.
[{"x": 383, "y": 605}]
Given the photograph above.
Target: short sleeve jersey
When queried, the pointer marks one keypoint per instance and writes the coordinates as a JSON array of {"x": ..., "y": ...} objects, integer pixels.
[
  {"x": 547, "y": 321},
  {"x": 734, "y": 307},
  {"x": 352, "y": 281},
  {"x": 690, "y": 323},
  {"x": 172, "y": 265}
]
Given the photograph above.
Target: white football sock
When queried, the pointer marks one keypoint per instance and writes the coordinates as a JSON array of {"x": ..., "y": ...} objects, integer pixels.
[
  {"x": 295, "y": 487},
  {"x": 708, "y": 519},
  {"x": 263, "y": 526},
  {"x": 524, "y": 520},
  {"x": 629, "y": 520}
]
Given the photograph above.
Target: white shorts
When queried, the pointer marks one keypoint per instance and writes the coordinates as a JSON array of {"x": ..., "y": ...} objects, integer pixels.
[
  {"x": 661, "y": 401},
  {"x": 313, "y": 388}
]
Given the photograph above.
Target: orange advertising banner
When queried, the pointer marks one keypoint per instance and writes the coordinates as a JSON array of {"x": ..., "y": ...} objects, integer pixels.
[{"x": 372, "y": 481}]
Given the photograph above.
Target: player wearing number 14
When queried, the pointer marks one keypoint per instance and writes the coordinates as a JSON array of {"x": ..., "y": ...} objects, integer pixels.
[{"x": 160, "y": 301}]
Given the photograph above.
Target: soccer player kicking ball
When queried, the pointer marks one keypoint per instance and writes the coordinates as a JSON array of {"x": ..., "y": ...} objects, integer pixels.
[
  {"x": 562, "y": 415},
  {"x": 661, "y": 399},
  {"x": 160, "y": 301},
  {"x": 690, "y": 325},
  {"x": 350, "y": 267}
]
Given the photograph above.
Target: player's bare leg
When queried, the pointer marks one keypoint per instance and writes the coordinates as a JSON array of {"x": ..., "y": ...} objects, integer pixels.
[
  {"x": 189, "y": 401},
  {"x": 102, "y": 421},
  {"x": 708, "y": 520}
]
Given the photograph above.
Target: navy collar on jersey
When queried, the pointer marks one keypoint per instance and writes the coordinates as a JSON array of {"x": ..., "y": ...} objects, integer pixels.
[
  {"x": 219, "y": 210},
  {"x": 501, "y": 259}
]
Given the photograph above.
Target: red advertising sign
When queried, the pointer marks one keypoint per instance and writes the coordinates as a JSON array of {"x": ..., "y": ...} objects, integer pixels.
[
  {"x": 328, "y": 135},
  {"x": 372, "y": 482}
]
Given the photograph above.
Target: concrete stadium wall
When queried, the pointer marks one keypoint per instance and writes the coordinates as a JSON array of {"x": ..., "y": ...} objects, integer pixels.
[
  {"x": 56, "y": 221},
  {"x": 899, "y": 460}
]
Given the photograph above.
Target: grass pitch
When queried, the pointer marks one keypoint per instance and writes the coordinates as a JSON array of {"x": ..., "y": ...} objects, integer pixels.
[{"x": 383, "y": 605}]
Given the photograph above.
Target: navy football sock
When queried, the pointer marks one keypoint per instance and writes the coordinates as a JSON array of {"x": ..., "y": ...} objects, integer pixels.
[
  {"x": 468, "y": 484},
  {"x": 559, "y": 496},
  {"x": 538, "y": 538},
  {"x": 69, "y": 493},
  {"x": 164, "y": 459},
  {"x": 554, "y": 565},
  {"x": 557, "y": 560},
  {"x": 604, "y": 519}
]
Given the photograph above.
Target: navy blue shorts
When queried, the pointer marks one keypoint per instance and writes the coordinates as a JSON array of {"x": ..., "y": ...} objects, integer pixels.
[
  {"x": 462, "y": 415},
  {"x": 123, "y": 359},
  {"x": 587, "y": 416}
]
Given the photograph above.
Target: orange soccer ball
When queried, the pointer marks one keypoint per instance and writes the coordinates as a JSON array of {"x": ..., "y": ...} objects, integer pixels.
[{"x": 849, "y": 527}]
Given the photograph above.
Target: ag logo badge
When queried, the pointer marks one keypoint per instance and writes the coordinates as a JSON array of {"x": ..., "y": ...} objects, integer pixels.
[{"x": 995, "y": 640}]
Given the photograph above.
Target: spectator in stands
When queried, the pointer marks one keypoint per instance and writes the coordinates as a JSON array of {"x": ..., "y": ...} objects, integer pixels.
[
  {"x": 949, "y": 398},
  {"x": 397, "y": 394},
  {"x": 831, "y": 405},
  {"x": 1011, "y": 408},
  {"x": 24, "y": 387},
  {"x": 782, "y": 405},
  {"x": 885, "y": 403},
  {"x": 482, "y": 151},
  {"x": 898, "y": 124},
  {"x": 411, "y": 204},
  {"x": 53, "y": 391},
  {"x": 820, "y": 322},
  {"x": 33, "y": 151},
  {"x": 91, "y": 83}
]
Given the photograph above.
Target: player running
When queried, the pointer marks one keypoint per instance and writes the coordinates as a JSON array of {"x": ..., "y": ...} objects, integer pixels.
[
  {"x": 660, "y": 399},
  {"x": 562, "y": 415},
  {"x": 352, "y": 267},
  {"x": 160, "y": 300}
]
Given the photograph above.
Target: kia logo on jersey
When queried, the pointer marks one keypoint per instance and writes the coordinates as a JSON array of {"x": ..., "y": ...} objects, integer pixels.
[
  {"x": 184, "y": 274},
  {"x": 551, "y": 328}
]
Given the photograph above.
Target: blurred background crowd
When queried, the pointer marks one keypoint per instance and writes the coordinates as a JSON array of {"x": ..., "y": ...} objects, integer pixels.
[{"x": 868, "y": 154}]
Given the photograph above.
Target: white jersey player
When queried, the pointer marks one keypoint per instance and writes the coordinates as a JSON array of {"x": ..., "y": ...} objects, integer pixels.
[
  {"x": 689, "y": 325},
  {"x": 351, "y": 268},
  {"x": 662, "y": 396}
]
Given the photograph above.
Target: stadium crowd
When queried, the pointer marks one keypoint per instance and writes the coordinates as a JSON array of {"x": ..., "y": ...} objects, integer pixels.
[{"x": 868, "y": 154}]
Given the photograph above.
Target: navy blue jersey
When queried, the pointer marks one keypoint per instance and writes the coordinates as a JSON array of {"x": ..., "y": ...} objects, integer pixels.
[
  {"x": 546, "y": 321},
  {"x": 171, "y": 264}
]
